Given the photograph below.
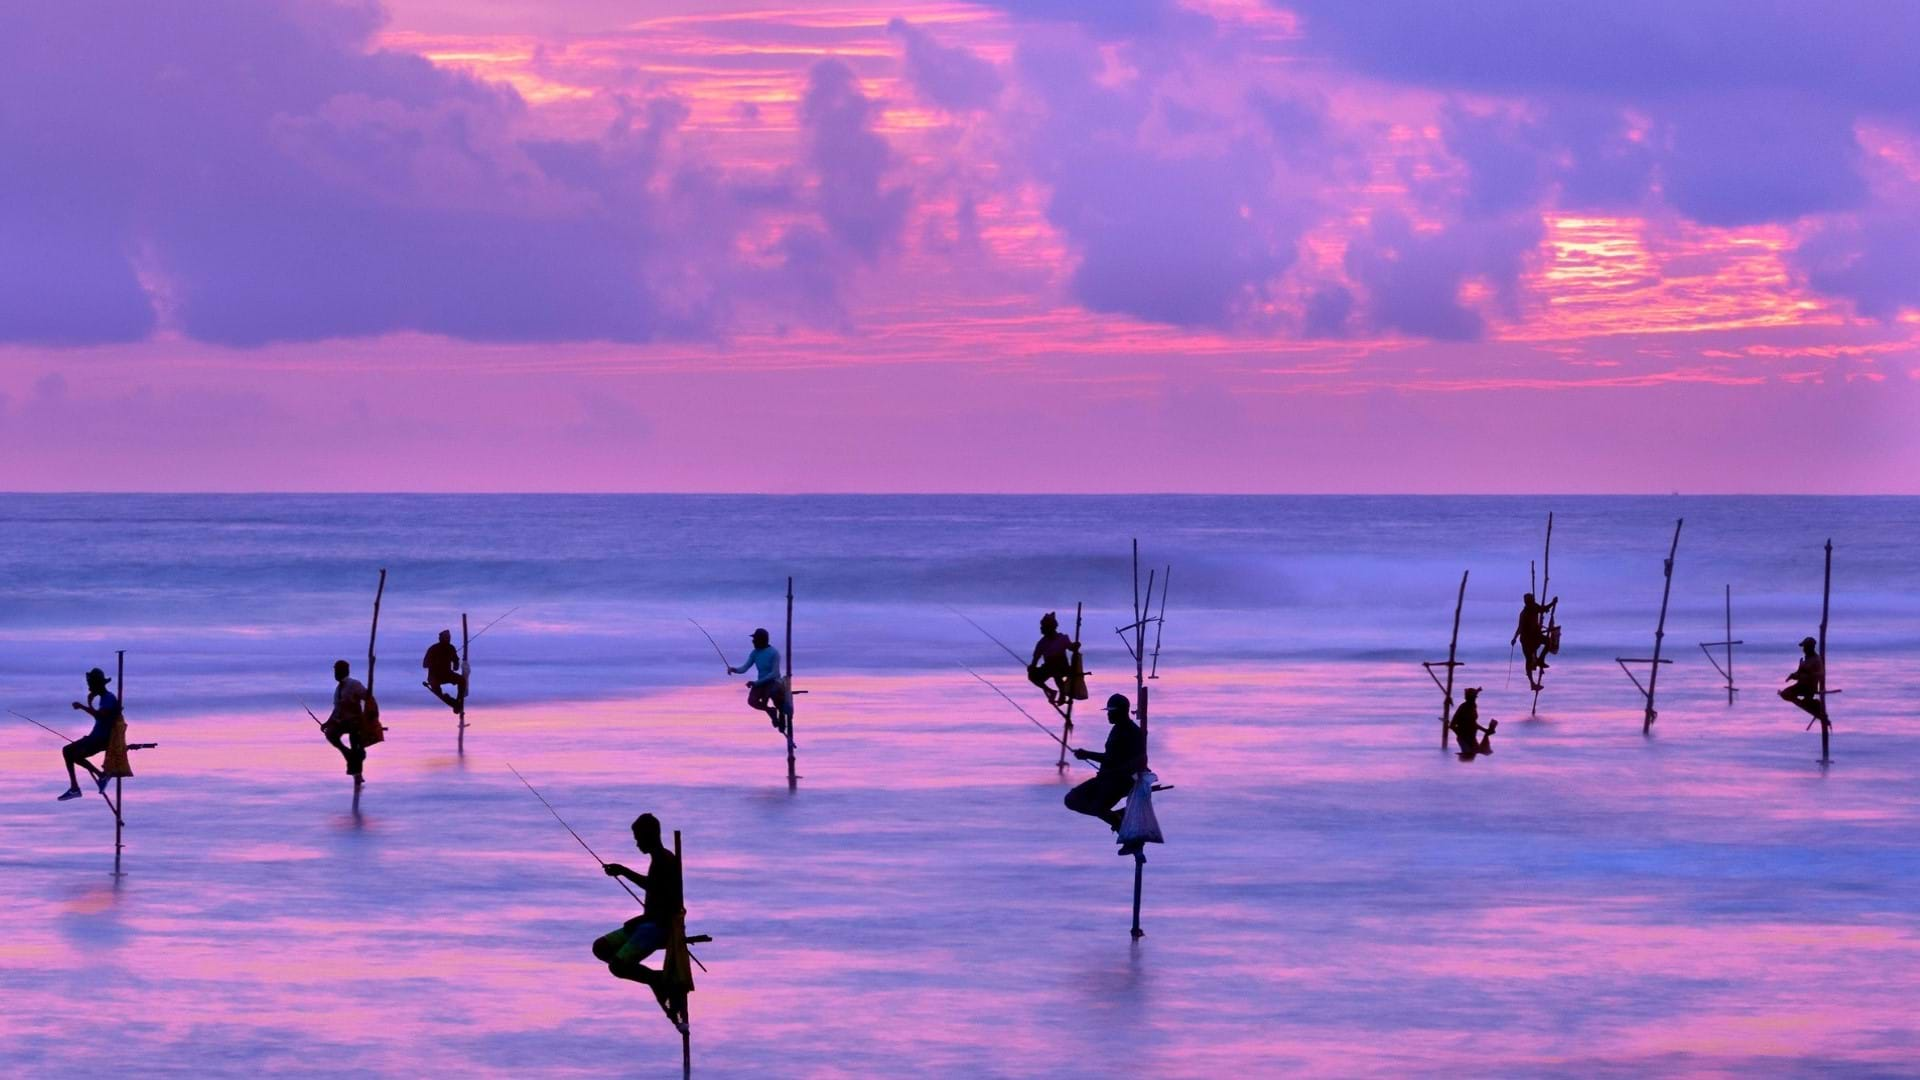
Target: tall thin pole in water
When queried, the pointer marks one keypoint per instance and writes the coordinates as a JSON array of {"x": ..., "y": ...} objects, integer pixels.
[
  {"x": 1073, "y": 682},
  {"x": 792, "y": 777},
  {"x": 1140, "y": 689},
  {"x": 373, "y": 635},
  {"x": 466, "y": 683},
  {"x": 686, "y": 1014},
  {"x": 1659, "y": 633},
  {"x": 1539, "y": 679},
  {"x": 1453, "y": 646},
  {"x": 1707, "y": 647},
  {"x": 119, "y": 794},
  {"x": 1826, "y": 596}
]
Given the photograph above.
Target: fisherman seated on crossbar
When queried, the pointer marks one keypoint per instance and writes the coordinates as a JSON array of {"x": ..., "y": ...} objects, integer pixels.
[
  {"x": 767, "y": 691},
  {"x": 1468, "y": 735},
  {"x": 443, "y": 669},
  {"x": 1803, "y": 688},
  {"x": 1052, "y": 661},
  {"x": 653, "y": 929},
  {"x": 104, "y": 707},
  {"x": 1124, "y": 756}
]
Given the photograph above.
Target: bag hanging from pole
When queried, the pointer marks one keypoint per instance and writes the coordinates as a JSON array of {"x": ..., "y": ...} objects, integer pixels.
[
  {"x": 1077, "y": 682},
  {"x": 1553, "y": 640},
  {"x": 116, "y": 763},
  {"x": 369, "y": 727},
  {"x": 1138, "y": 825}
]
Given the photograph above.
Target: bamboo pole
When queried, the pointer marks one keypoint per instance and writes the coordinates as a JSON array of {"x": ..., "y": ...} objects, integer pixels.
[
  {"x": 119, "y": 794},
  {"x": 1707, "y": 647},
  {"x": 1539, "y": 679},
  {"x": 1140, "y": 690},
  {"x": 1453, "y": 647},
  {"x": 1826, "y": 597},
  {"x": 1066, "y": 715},
  {"x": 686, "y": 1012},
  {"x": 792, "y": 777},
  {"x": 1160, "y": 625},
  {"x": 1660, "y": 629},
  {"x": 373, "y": 635},
  {"x": 466, "y": 684}
]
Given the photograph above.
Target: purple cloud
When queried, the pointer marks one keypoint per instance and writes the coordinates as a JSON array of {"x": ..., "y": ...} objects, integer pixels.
[
  {"x": 947, "y": 76},
  {"x": 851, "y": 161}
]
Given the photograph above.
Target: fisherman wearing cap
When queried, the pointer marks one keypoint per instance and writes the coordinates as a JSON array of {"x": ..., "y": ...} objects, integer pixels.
[
  {"x": 767, "y": 692},
  {"x": 104, "y": 707},
  {"x": 443, "y": 669},
  {"x": 1051, "y": 661},
  {"x": 1803, "y": 687},
  {"x": 1467, "y": 730},
  {"x": 1532, "y": 635},
  {"x": 1125, "y": 755},
  {"x": 655, "y": 928}
]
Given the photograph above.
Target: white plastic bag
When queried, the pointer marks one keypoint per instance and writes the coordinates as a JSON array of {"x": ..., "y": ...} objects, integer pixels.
[{"x": 1138, "y": 823}]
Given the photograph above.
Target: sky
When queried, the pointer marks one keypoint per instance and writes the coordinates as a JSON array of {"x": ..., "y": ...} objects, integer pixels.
[{"x": 998, "y": 246}]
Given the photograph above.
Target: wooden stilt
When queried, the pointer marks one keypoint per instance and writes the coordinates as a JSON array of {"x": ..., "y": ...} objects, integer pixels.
[
  {"x": 1826, "y": 597},
  {"x": 1659, "y": 634},
  {"x": 686, "y": 1002},
  {"x": 1140, "y": 612},
  {"x": 119, "y": 793},
  {"x": 1160, "y": 625},
  {"x": 1066, "y": 714},
  {"x": 1453, "y": 647},
  {"x": 793, "y": 778},
  {"x": 1707, "y": 647},
  {"x": 466, "y": 685},
  {"x": 373, "y": 635},
  {"x": 1539, "y": 677}
]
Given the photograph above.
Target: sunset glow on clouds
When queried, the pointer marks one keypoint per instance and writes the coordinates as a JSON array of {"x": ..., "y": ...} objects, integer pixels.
[{"x": 1020, "y": 245}]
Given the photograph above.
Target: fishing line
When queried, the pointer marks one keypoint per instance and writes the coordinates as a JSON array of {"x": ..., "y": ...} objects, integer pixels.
[{"x": 576, "y": 836}]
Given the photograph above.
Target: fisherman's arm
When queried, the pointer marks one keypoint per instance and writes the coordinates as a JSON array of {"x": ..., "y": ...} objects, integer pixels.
[
  {"x": 88, "y": 709},
  {"x": 615, "y": 869}
]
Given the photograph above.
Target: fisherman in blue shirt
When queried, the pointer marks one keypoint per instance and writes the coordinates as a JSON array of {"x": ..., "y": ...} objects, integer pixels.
[{"x": 767, "y": 692}]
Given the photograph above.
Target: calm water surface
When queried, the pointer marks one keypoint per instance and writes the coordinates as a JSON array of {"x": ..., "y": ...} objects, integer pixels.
[{"x": 1337, "y": 896}]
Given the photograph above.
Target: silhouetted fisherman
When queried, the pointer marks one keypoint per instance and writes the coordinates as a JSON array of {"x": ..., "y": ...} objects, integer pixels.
[
  {"x": 1124, "y": 756},
  {"x": 104, "y": 707},
  {"x": 1532, "y": 635},
  {"x": 349, "y": 719},
  {"x": 1052, "y": 660},
  {"x": 768, "y": 691},
  {"x": 1468, "y": 735},
  {"x": 1803, "y": 687},
  {"x": 656, "y": 925},
  {"x": 443, "y": 669}
]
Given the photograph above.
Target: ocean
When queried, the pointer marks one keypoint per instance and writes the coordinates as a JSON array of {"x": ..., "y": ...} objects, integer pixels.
[{"x": 1336, "y": 896}]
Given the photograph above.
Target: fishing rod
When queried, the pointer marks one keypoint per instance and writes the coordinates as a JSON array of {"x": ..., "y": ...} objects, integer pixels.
[
  {"x": 716, "y": 645},
  {"x": 990, "y": 637},
  {"x": 596, "y": 856},
  {"x": 1023, "y": 712},
  {"x": 576, "y": 836},
  {"x": 39, "y": 725},
  {"x": 316, "y": 719},
  {"x": 490, "y": 625}
]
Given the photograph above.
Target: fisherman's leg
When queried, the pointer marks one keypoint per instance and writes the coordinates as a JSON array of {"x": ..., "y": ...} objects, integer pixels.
[
  {"x": 607, "y": 946},
  {"x": 68, "y": 755}
]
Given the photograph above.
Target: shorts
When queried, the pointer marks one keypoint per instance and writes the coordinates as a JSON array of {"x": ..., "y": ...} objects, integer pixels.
[
  {"x": 633, "y": 942},
  {"x": 92, "y": 743}
]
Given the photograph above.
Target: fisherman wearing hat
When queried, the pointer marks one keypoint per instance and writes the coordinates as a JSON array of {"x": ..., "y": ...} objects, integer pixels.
[
  {"x": 1803, "y": 687},
  {"x": 1467, "y": 730},
  {"x": 104, "y": 707},
  {"x": 767, "y": 692},
  {"x": 1126, "y": 754}
]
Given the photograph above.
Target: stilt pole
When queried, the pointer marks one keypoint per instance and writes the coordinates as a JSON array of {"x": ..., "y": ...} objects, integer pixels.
[
  {"x": 1826, "y": 597},
  {"x": 792, "y": 777},
  {"x": 1140, "y": 612},
  {"x": 1066, "y": 715},
  {"x": 686, "y": 1004},
  {"x": 1453, "y": 650},
  {"x": 1160, "y": 625},
  {"x": 373, "y": 635},
  {"x": 466, "y": 684},
  {"x": 1539, "y": 679},
  {"x": 119, "y": 793},
  {"x": 1660, "y": 629},
  {"x": 1731, "y": 689}
]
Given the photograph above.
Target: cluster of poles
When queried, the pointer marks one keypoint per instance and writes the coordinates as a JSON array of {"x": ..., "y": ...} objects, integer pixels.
[
  {"x": 1145, "y": 622},
  {"x": 1723, "y": 663}
]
